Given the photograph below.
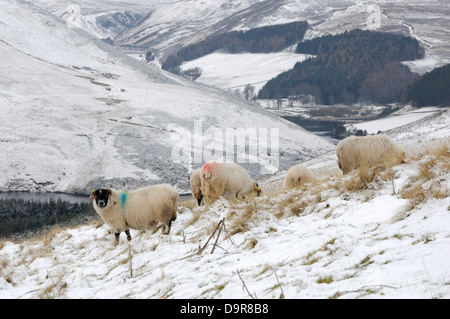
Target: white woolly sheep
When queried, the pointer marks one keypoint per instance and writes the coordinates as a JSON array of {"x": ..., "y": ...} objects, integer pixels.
[
  {"x": 140, "y": 209},
  {"x": 354, "y": 152},
  {"x": 297, "y": 176},
  {"x": 226, "y": 179},
  {"x": 196, "y": 184}
]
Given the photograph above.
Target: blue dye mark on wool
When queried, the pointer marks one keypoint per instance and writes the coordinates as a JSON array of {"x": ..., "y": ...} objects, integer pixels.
[{"x": 123, "y": 198}]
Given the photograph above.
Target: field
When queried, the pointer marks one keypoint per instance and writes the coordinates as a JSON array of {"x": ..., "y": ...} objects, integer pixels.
[
  {"x": 235, "y": 71},
  {"x": 379, "y": 233}
]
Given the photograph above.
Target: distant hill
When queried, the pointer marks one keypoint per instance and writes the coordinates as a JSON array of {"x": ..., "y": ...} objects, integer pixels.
[
  {"x": 259, "y": 40},
  {"x": 431, "y": 89},
  {"x": 81, "y": 115},
  {"x": 350, "y": 67}
]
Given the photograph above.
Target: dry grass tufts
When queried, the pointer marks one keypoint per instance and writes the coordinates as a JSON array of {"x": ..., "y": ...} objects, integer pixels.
[
  {"x": 414, "y": 192},
  {"x": 298, "y": 208},
  {"x": 440, "y": 151},
  {"x": 301, "y": 200},
  {"x": 241, "y": 218},
  {"x": 429, "y": 181},
  {"x": 188, "y": 203},
  {"x": 364, "y": 176}
]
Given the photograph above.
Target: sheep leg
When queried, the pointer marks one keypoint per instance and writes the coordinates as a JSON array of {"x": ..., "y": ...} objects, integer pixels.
[
  {"x": 117, "y": 234},
  {"x": 199, "y": 200},
  {"x": 127, "y": 232},
  {"x": 166, "y": 229}
]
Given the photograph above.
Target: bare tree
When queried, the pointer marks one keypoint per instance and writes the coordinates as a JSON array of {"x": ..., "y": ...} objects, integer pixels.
[{"x": 249, "y": 92}]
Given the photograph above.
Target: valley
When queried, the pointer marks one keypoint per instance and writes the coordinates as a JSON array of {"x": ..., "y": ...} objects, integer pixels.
[{"x": 82, "y": 109}]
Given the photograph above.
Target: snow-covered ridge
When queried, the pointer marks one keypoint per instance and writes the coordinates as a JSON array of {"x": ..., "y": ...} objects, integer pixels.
[
  {"x": 102, "y": 25},
  {"x": 102, "y": 19},
  {"x": 168, "y": 25},
  {"x": 165, "y": 30}
]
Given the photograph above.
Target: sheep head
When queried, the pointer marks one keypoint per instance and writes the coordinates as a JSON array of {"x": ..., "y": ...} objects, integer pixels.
[{"x": 101, "y": 196}]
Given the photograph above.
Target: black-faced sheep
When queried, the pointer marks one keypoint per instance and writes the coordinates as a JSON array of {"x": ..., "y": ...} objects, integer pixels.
[
  {"x": 367, "y": 151},
  {"x": 196, "y": 186},
  {"x": 140, "y": 209},
  {"x": 297, "y": 176},
  {"x": 229, "y": 180}
]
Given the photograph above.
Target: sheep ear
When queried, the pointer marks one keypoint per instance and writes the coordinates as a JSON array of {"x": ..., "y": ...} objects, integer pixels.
[{"x": 92, "y": 196}]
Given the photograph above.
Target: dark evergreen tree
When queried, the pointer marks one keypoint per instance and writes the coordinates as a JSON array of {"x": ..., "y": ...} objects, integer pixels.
[
  {"x": 431, "y": 89},
  {"x": 259, "y": 40},
  {"x": 19, "y": 215},
  {"x": 349, "y": 67}
]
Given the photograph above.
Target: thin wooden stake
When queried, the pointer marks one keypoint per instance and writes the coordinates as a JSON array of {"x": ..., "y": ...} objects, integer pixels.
[
  {"x": 279, "y": 283},
  {"x": 218, "y": 235},
  {"x": 204, "y": 246},
  {"x": 130, "y": 258},
  {"x": 245, "y": 286}
]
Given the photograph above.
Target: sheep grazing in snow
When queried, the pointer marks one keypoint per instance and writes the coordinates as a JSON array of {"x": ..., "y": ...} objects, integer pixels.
[
  {"x": 297, "y": 176},
  {"x": 196, "y": 184},
  {"x": 367, "y": 151},
  {"x": 226, "y": 179},
  {"x": 140, "y": 209}
]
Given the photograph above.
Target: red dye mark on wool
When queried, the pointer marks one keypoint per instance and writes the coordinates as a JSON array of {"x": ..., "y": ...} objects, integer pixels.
[{"x": 208, "y": 167}]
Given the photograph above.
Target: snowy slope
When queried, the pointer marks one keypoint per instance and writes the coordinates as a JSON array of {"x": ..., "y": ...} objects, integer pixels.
[
  {"x": 169, "y": 25},
  {"x": 323, "y": 241},
  {"x": 102, "y": 19},
  {"x": 178, "y": 23},
  {"x": 396, "y": 120},
  {"x": 174, "y": 24},
  {"x": 77, "y": 114},
  {"x": 66, "y": 123}
]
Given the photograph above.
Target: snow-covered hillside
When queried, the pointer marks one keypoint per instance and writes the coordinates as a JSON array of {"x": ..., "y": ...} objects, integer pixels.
[
  {"x": 77, "y": 114},
  {"x": 179, "y": 23},
  {"x": 395, "y": 120},
  {"x": 168, "y": 24},
  {"x": 175, "y": 24},
  {"x": 358, "y": 236},
  {"x": 102, "y": 19}
]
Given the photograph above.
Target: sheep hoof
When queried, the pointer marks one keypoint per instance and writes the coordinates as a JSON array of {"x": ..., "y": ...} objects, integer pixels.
[
  {"x": 166, "y": 229},
  {"x": 127, "y": 232}
]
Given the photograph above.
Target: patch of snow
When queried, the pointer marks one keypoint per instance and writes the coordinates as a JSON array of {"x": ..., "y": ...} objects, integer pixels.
[
  {"x": 395, "y": 120},
  {"x": 235, "y": 71}
]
